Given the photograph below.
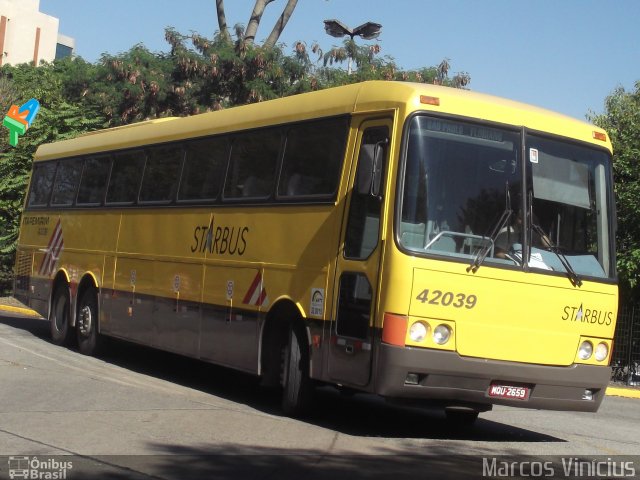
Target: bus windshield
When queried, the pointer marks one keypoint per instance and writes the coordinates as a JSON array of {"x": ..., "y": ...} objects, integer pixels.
[{"x": 463, "y": 196}]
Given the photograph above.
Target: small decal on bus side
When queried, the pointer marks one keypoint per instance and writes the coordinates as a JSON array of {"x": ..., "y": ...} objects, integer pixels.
[
  {"x": 446, "y": 299},
  {"x": 533, "y": 155},
  {"x": 317, "y": 302},
  {"x": 230, "y": 285},
  {"x": 41, "y": 222}
]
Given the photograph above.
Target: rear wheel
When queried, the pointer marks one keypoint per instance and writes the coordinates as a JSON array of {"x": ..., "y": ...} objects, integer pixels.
[
  {"x": 297, "y": 392},
  {"x": 87, "y": 323},
  {"x": 59, "y": 317}
]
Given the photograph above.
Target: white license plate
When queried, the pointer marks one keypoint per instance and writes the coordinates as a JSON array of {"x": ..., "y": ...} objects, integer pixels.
[{"x": 508, "y": 391}]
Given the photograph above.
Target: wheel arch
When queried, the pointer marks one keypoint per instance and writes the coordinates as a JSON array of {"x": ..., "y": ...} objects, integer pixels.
[{"x": 283, "y": 315}]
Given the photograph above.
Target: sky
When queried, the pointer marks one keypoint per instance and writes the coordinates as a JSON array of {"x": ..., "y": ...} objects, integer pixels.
[{"x": 564, "y": 55}]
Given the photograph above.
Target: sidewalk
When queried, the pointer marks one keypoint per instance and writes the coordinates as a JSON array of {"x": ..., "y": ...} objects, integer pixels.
[{"x": 9, "y": 306}]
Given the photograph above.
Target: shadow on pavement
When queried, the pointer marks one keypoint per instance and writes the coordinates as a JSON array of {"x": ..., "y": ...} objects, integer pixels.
[{"x": 357, "y": 415}]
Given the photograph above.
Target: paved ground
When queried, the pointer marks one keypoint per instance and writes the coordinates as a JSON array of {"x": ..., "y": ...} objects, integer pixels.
[{"x": 140, "y": 413}]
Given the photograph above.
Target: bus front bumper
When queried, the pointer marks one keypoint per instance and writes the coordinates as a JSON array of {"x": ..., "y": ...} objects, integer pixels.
[{"x": 415, "y": 374}]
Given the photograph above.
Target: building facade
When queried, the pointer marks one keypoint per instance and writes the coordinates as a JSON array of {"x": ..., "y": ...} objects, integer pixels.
[{"x": 28, "y": 35}]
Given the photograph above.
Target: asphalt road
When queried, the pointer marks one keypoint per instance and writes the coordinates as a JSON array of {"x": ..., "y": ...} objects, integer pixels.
[{"x": 140, "y": 413}]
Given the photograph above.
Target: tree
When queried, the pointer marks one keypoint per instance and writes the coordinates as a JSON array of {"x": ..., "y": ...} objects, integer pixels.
[
  {"x": 622, "y": 121},
  {"x": 250, "y": 32},
  {"x": 198, "y": 74},
  {"x": 58, "y": 119},
  {"x": 371, "y": 66}
]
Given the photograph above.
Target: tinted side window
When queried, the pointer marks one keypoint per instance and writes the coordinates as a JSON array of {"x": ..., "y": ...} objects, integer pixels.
[
  {"x": 161, "y": 174},
  {"x": 313, "y": 159},
  {"x": 66, "y": 184},
  {"x": 41, "y": 183},
  {"x": 203, "y": 171},
  {"x": 125, "y": 177},
  {"x": 94, "y": 181},
  {"x": 252, "y": 166}
]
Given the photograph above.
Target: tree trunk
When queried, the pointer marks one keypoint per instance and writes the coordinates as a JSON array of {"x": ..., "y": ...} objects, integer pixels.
[
  {"x": 281, "y": 23},
  {"x": 222, "y": 20},
  {"x": 254, "y": 21}
]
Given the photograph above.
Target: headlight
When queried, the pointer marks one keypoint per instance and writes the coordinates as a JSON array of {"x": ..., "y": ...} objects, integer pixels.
[
  {"x": 585, "y": 351},
  {"x": 418, "y": 331},
  {"x": 441, "y": 334},
  {"x": 602, "y": 351}
]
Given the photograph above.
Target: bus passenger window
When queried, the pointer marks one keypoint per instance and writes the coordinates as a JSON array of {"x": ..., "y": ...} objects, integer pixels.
[
  {"x": 161, "y": 174},
  {"x": 94, "y": 181},
  {"x": 66, "y": 184},
  {"x": 41, "y": 184},
  {"x": 125, "y": 177},
  {"x": 203, "y": 171},
  {"x": 252, "y": 166},
  {"x": 313, "y": 159}
]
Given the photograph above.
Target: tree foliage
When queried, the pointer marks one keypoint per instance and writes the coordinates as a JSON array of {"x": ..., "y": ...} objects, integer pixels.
[{"x": 622, "y": 121}]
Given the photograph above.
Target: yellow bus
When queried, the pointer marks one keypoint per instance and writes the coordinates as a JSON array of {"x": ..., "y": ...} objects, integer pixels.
[{"x": 430, "y": 245}]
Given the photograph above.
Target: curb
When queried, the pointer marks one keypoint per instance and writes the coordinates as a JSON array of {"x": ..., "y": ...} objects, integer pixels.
[
  {"x": 22, "y": 311},
  {"x": 623, "y": 392}
]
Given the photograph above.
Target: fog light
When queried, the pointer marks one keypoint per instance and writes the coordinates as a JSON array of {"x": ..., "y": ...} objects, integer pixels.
[
  {"x": 418, "y": 331},
  {"x": 441, "y": 334},
  {"x": 587, "y": 395},
  {"x": 586, "y": 350},
  {"x": 602, "y": 351},
  {"x": 412, "y": 379}
]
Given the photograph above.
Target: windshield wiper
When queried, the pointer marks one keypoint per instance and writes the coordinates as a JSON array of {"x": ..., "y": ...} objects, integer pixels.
[
  {"x": 502, "y": 222},
  {"x": 574, "y": 278},
  {"x": 482, "y": 254}
]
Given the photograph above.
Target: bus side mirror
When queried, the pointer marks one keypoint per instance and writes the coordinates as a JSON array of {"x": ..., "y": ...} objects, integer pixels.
[{"x": 371, "y": 163}]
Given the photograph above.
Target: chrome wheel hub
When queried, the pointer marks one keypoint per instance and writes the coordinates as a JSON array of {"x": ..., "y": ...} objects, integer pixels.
[{"x": 85, "y": 320}]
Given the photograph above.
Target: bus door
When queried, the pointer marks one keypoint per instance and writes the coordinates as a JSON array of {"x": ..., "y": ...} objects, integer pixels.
[{"x": 358, "y": 263}]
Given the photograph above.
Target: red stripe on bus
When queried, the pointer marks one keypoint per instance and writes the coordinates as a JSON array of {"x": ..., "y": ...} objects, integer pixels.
[{"x": 252, "y": 288}]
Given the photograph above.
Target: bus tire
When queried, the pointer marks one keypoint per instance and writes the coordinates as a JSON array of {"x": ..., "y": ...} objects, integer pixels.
[
  {"x": 297, "y": 392},
  {"x": 60, "y": 317},
  {"x": 89, "y": 340}
]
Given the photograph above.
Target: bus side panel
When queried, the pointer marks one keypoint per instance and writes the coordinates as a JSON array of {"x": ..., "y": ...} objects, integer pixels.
[
  {"x": 157, "y": 285},
  {"x": 232, "y": 298},
  {"x": 176, "y": 311},
  {"x": 132, "y": 302},
  {"x": 75, "y": 242}
]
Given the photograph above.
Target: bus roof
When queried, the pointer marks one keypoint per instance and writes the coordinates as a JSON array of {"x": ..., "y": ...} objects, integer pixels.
[{"x": 356, "y": 98}]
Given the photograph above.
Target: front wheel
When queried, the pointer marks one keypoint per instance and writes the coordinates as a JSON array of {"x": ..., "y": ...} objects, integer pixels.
[
  {"x": 297, "y": 393},
  {"x": 59, "y": 317},
  {"x": 89, "y": 340}
]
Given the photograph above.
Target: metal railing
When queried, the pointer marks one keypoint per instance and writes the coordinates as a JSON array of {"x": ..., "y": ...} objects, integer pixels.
[{"x": 625, "y": 358}]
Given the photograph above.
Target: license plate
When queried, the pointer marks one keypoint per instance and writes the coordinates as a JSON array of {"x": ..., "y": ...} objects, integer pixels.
[{"x": 508, "y": 391}]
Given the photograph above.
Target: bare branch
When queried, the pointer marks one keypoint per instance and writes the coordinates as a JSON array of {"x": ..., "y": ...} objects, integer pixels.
[{"x": 281, "y": 23}]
